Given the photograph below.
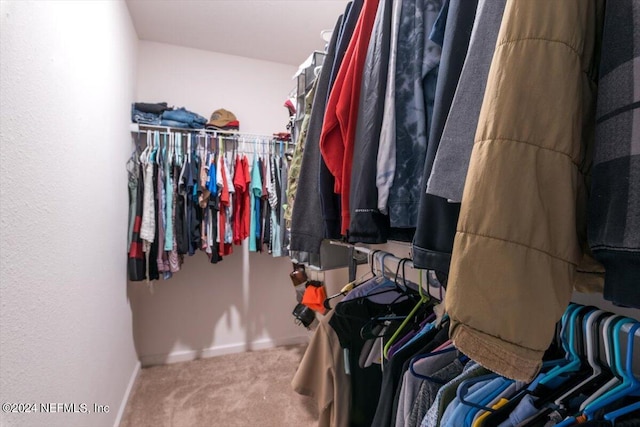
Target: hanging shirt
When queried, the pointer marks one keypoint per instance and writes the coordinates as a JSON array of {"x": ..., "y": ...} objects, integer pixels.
[
  {"x": 228, "y": 234},
  {"x": 193, "y": 209},
  {"x": 263, "y": 206},
  {"x": 246, "y": 210},
  {"x": 274, "y": 202},
  {"x": 180, "y": 209},
  {"x": 148, "y": 226},
  {"x": 174, "y": 259},
  {"x": 415, "y": 94},
  {"x": 240, "y": 185},
  {"x": 256, "y": 193},
  {"x": 137, "y": 271},
  {"x": 160, "y": 218},
  {"x": 225, "y": 201},
  {"x": 169, "y": 202},
  {"x": 386, "y": 160},
  {"x": 337, "y": 138}
]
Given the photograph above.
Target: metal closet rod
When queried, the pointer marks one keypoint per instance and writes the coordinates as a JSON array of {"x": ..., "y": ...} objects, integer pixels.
[
  {"x": 143, "y": 128},
  {"x": 369, "y": 251}
]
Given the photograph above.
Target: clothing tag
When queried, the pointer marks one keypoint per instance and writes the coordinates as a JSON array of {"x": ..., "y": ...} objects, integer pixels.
[{"x": 347, "y": 368}]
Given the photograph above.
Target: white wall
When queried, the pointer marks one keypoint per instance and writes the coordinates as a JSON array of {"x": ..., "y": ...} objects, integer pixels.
[
  {"x": 244, "y": 302},
  {"x": 203, "y": 81},
  {"x": 67, "y": 80}
]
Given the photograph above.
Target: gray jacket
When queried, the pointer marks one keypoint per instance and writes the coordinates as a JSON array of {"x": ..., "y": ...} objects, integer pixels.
[
  {"x": 307, "y": 229},
  {"x": 452, "y": 159}
]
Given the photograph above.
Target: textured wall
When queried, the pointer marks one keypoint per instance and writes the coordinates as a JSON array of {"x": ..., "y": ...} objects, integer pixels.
[
  {"x": 244, "y": 302},
  {"x": 67, "y": 77}
]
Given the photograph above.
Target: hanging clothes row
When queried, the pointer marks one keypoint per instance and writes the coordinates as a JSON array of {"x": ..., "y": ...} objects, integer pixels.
[
  {"x": 199, "y": 192},
  {"x": 383, "y": 357},
  {"x": 467, "y": 128}
]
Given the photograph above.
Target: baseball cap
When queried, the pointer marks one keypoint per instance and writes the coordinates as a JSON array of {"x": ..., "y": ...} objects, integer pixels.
[{"x": 221, "y": 118}]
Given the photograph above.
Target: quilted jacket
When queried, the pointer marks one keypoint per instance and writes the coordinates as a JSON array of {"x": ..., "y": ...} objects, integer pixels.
[{"x": 520, "y": 245}]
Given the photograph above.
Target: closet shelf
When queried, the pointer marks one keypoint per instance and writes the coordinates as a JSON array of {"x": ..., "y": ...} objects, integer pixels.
[{"x": 142, "y": 128}]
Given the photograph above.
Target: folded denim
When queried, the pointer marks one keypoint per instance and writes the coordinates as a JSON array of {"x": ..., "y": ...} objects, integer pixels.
[
  {"x": 192, "y": 119},
  {"x": 138, "y": 116},
  {"x": 174, "y": 124}
]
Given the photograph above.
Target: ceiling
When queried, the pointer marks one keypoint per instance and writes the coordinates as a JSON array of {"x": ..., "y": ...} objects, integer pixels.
[{"x": 284, "y": 31}]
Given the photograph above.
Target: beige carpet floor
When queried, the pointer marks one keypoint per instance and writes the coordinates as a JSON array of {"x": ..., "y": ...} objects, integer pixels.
[{"x": 244, "y": 390}]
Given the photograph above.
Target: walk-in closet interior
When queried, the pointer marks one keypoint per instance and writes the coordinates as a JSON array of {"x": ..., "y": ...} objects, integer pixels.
[{"x": 332, "y": 213}]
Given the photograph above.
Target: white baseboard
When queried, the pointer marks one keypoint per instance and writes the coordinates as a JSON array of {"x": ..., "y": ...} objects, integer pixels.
[
  {"x": 185, "y": 356},
  {"x": 127, "y": 393}
]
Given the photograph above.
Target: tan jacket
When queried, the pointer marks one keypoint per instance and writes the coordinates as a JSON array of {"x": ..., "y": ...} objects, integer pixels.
[{"x": 521, "y": 229}]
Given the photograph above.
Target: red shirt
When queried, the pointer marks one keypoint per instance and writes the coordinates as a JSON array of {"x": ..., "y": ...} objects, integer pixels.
[
  {"x": 246, "y": 209},
  {"x": 240, "y": 184},
  {"x": 339, "y": 127}
]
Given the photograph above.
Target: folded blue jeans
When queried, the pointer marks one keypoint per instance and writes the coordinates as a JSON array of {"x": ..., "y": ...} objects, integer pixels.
[
  {"x": 192, "y": 119},
  {"x": 138, "y": 116}
]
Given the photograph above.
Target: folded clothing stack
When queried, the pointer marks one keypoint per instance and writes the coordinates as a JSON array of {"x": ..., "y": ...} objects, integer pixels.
[
  {"x": 148, "y": 113},
  {"x": 182, "y": 118},
  {"x": 161, "y": 114}
]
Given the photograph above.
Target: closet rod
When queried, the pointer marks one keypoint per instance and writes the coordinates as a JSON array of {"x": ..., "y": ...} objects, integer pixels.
[
  {"x": 141, "y": 128},
  {"x": 368, "y": 251}
]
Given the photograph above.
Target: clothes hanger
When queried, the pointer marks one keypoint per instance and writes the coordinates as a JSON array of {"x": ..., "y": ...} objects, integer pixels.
[
  {"x": 569, "y": 320},
  {"x": 613, "y": 416},
  {"x": 163, "y": 152},
  {"x": 423, "y": 299},
  {"x": 592, "y": 323},
  {"x": 384, "y": 284},
  {"x": 170, "y": 159},
  {"x": 607, "y": 394},
  {"x": 401, "y": 290},
  {"x": 463, "y": 389},
  {"x": 351, "y": 285},
  {"x": 566, "y": 380},
  {"x": 156, "y": 144},
  {"x": 397, "y": 293},
  {"x": 144, "y": 155},
  {"x": 189, "y": 148},
  {"x": 630, "y": 384},
  {"x": 610, "y": 357}
]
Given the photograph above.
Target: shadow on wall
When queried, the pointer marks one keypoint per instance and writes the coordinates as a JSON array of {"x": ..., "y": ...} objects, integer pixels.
[{"x": 242, "y": 303}]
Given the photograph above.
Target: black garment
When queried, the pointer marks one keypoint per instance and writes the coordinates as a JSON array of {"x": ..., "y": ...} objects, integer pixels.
[
  {"x": 348, "y": 320},
  {"x": 214, "y": 207},
  {"x": 437, "y": 218},
  {"x": 152, "y": 255},
  {"x": 182, "y": 230},
  {"x": 275, "y": 176},
  {"x": 331, "y": 205},
  {"x": 394, "y": 370},
  {"x": 307, "y": 222},
  {"x": 368, "y": 224},
  {"x": 351, "y": 15},
  {"x": 264, "y": 206},
  {"x": 155, "y": 108},
  {"x": 136, "y": 262},
  {"x": 194, "y": 212}
]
